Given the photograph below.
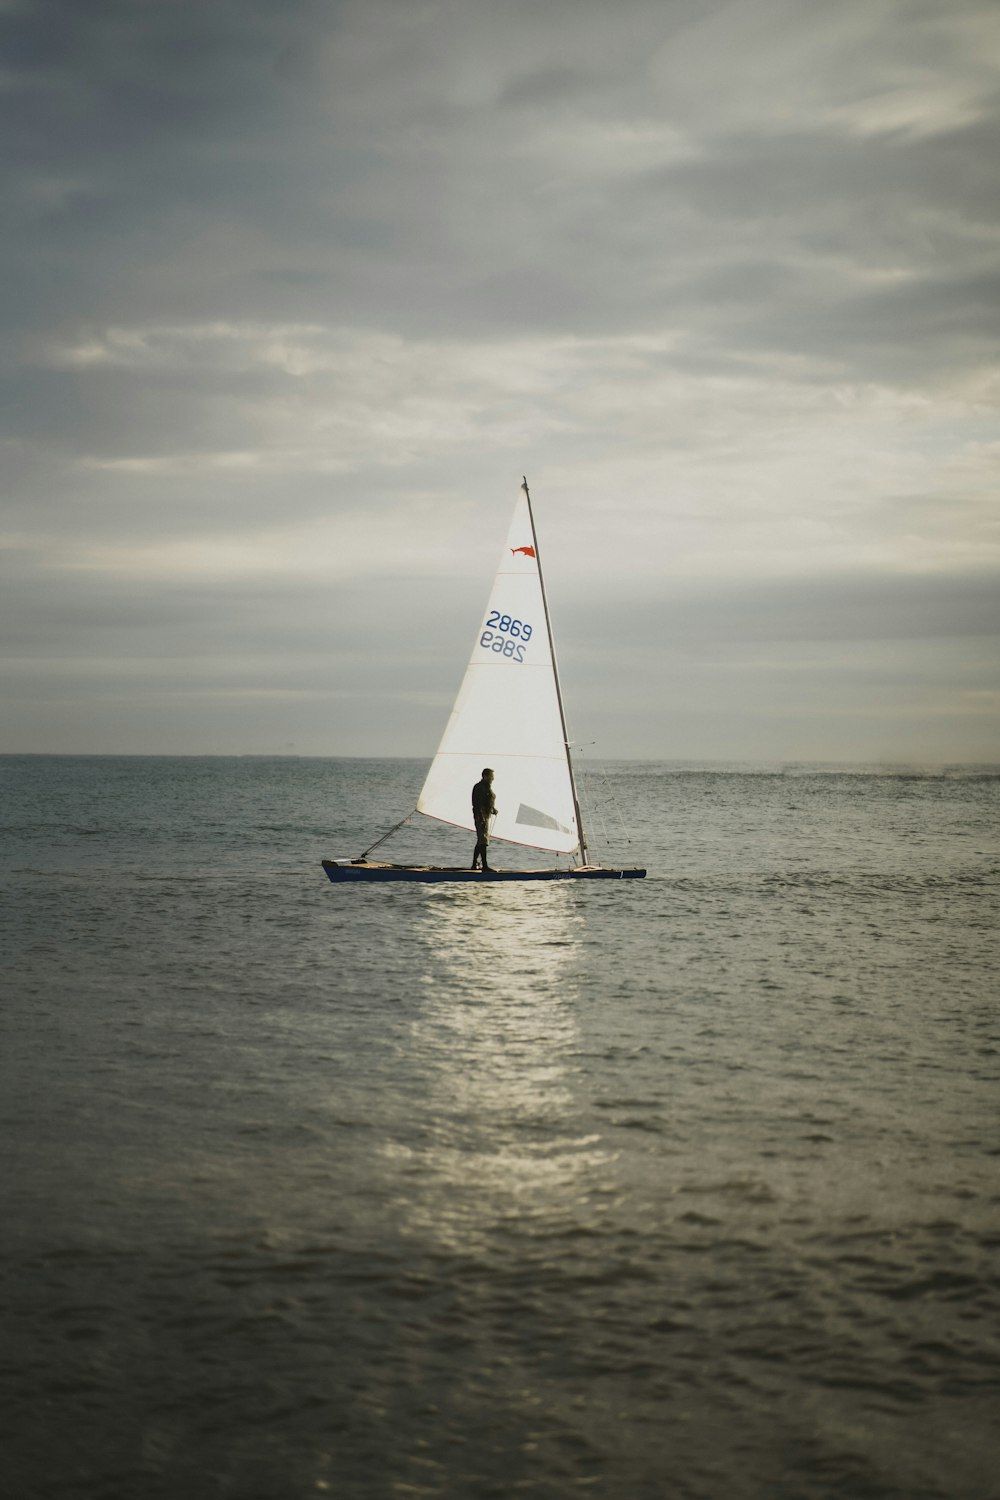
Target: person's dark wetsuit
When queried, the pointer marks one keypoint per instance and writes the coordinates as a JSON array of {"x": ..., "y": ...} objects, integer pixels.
[{"x": 483, "y": 809}]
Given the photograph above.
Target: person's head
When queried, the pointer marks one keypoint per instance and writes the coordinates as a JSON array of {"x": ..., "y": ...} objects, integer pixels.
[{"x": 487, "y": 773}]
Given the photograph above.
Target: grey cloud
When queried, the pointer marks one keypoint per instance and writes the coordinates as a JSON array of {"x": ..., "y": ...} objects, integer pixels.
[
  {"x": 875, "y": 607},
  {"x": 201, "y": 174},
  {"x": 438, "y": 197},
  {"x": 773, "y": 175},
  {"x": 421, "y": 619},
  {"x": 366, "y": 637}
]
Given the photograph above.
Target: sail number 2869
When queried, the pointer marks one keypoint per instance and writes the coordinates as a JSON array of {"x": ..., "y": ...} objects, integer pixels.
[{"x": 505, "y": 636}]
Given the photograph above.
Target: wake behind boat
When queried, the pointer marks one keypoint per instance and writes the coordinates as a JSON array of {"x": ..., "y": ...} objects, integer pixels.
[{"x": 509, "y": 716}]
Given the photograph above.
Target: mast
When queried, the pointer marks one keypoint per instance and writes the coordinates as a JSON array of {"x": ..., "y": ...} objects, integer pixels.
[{"x": 584, "y": 857}]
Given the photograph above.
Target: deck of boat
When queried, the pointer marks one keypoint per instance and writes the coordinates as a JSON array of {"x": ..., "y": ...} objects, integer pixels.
[{"x": 346, "y": 870}]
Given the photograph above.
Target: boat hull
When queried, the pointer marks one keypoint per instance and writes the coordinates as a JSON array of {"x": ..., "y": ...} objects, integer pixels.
[{"x": 344, "y": 871}]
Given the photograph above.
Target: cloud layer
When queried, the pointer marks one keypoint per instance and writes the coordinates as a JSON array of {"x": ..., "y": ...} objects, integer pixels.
[{"x": 297, "y": 292}]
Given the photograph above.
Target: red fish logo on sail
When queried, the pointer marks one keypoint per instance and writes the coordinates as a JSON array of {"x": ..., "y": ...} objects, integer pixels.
[{"x": 528, "y": 551}]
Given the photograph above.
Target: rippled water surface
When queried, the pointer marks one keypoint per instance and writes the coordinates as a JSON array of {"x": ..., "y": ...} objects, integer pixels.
[{"x": 677, "y": 1188}]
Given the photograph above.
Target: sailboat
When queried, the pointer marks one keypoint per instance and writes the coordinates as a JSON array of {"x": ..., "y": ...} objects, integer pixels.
[{"x": 508, "y": 716}]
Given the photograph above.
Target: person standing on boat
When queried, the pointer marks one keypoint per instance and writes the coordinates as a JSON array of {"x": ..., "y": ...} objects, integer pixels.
[{"x": 484, "y": 807}]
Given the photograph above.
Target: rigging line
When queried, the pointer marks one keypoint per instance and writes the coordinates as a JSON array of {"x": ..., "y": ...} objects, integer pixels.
[
  {"x": 393, "y": 830},
  {"x": 607, "y": 793},
  {"x": 595, "y": 807},
  {"x": 617, "y": 807}
]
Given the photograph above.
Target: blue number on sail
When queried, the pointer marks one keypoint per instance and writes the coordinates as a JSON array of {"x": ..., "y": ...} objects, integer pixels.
[
  {"x": 502, "y": 645},
  {"x": 520, "y": 629}
]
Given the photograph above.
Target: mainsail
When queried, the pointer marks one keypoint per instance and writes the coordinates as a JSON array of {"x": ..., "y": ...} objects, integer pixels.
[{"x": 508, "y": 714}]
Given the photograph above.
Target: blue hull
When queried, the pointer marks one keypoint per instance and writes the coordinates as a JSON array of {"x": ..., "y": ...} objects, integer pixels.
[{"x": 343, "y": 870}]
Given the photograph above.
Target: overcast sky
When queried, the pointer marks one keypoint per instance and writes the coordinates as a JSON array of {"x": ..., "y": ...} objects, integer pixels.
[{"x": 294, "y": 291}]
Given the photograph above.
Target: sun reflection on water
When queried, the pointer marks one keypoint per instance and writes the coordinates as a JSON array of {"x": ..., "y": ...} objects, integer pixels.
[{"x": 498, "y": 1136}]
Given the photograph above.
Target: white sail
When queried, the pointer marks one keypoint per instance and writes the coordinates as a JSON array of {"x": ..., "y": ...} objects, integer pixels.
[{"x": 507, "y": 715}]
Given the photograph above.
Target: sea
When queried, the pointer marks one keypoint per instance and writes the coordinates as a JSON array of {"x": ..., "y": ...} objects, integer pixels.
[{"x": 677, "y": 1189}]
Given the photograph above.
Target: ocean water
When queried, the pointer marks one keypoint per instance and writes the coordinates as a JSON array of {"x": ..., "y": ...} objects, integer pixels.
[{"x": 687, "y": 1187}]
